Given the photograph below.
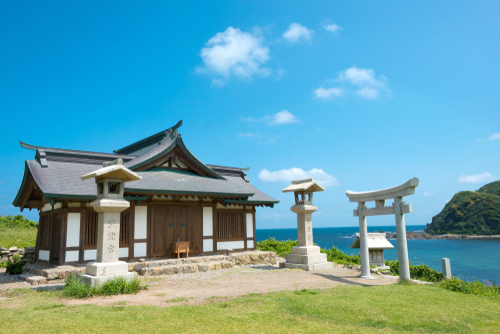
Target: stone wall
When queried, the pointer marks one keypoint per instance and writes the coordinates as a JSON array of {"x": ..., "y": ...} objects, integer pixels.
[{"x": 8, "y": 253}]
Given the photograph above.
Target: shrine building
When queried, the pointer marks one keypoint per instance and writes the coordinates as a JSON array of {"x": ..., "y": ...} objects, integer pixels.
[{"x": 178, "y": 198}]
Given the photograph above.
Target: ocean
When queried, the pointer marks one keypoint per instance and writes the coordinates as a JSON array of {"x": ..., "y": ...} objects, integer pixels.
[{"x": 470, "y": 259}]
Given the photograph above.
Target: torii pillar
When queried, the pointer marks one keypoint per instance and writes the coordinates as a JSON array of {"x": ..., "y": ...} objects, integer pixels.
[{"x": 399, "y": 208}]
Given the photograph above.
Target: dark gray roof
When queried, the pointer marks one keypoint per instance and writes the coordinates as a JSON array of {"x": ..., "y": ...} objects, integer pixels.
[
  {"x": 62, "y": 179},
  {"x": 57, "y": 172}
]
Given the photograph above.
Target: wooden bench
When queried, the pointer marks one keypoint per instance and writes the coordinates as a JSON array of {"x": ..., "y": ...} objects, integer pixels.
[{"x": 180, "y": 247}]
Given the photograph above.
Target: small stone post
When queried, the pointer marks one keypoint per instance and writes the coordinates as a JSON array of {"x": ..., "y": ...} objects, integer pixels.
[
  {"x": 445, "y": 263},
  {"x": 404, "y": 264},
  {"x": 306, "y": 256},
  {"x": 110, "y": 182}
]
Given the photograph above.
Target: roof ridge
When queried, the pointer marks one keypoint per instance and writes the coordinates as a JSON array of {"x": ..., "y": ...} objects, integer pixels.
[
  {"x": 76, "y": 152},
  {"x": 160, "y": 137}
]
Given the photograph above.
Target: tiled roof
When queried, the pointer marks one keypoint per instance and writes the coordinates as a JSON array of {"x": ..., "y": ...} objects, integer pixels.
[{"x": 57, "y": 172}]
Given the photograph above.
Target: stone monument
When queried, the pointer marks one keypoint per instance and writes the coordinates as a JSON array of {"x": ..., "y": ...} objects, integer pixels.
[
  {"x": 110, "y": 181},
  {"x": 398, "y": 208},
  {"x": 306, "y": 256}
]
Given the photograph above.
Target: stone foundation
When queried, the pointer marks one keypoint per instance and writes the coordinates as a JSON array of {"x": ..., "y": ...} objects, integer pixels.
[
  {"x": 41, "y": 274},
  {"x": 27, "y": 254}
]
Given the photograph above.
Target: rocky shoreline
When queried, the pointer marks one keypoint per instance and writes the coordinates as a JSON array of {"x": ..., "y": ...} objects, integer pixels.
[{"x": 424, "y": 236}]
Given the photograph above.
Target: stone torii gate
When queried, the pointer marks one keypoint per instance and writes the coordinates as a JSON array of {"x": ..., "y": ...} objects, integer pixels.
[{"x": 398, "y": 208}]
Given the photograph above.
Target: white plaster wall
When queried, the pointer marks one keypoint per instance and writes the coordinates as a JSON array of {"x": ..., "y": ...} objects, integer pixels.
[
  {"x": 230, "y": 245},
  {"x": 73, "y": 232},
  {"x": 123, "y": 252},
  {"x": 207, "y": 222},
  {"x": 44, "y": 255},
  {"x": 57, "y": 206},
  {"x": 140, "y": 249},
  {"x": 141, "y": 222},
  {"x": 208, "y": 245},
  {"x": 249, "y": 243},
  {"x": 47, "y": 207},
  {"x": 249, "y": 225},
  {"x": 90, "y": 254},
  {"x": 72, "y": 256}
]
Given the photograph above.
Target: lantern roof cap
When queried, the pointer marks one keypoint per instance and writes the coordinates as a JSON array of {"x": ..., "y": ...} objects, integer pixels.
[
  {"x": 304, "y": 185},
  {"x": 113, "y": 170}
]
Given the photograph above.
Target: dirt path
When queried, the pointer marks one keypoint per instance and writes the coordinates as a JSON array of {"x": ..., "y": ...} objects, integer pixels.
[{"x": 199, "y": 288}]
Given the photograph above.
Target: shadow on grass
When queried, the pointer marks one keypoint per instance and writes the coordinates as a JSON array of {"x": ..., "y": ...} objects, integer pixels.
[{"x": 341, "y": 279}]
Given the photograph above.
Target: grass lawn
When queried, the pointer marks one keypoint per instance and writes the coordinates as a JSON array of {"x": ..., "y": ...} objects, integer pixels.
[
  {"x": 17, "y": 236},
  {"x": 356, "y": 309}
]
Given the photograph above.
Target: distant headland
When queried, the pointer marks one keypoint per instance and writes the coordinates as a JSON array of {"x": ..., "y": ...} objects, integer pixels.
[{"x": 468, "y": 214}]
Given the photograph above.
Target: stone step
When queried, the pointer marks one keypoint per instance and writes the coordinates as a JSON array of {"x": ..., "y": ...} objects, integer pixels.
[
  {"x": 185, "y": 268},
  {"x": 33, "y": 279}
]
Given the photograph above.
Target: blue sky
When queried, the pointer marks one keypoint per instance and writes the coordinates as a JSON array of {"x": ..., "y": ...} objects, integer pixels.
[{"x": 361, "y": 96}]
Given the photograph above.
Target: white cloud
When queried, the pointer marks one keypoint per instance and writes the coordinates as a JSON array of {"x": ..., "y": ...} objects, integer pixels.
[
  {"x": 296, "y": 33},
  {"x": 288, "y": 175},
  {"x": 495, "y": 136},
  {"x": 281, "y": 117},
  {"x": 476, "y": 178},
  {"x": 324, "y": 94},
  {"x": 370, "y": 85},
  {"x": 234, "y": 52},
  {"x": 359, "y": 76},
  {"x": 332, "y": 27},
  {"x": 368, "y": 93}
]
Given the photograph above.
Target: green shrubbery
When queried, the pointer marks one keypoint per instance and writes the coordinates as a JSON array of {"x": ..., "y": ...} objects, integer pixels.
[
  {"x": 476, "y": 287},
  {"x": 282, "y": 248},
  {"x": 337, "y": 256},
  {"x": 17, "y": 221},
  {"x": 75, "y": 287},
  {"x": 421, "y": 272}
]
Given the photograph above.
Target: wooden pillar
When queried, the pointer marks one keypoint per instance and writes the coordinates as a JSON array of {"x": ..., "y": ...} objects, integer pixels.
[
  {"x": 214, "y": 227},
  {"x": 83, "y": 222},
  {"x": 244, "y": 226},
  {"x": 131, "y": 231},
  {"x": 62, "y": 236}
]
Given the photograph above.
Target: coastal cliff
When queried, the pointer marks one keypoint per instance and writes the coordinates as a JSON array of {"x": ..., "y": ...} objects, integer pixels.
[{"x": 470, "y": 213}]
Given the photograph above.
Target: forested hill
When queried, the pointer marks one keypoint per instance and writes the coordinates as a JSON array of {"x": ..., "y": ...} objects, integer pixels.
[{"x": 470, "y": 212}]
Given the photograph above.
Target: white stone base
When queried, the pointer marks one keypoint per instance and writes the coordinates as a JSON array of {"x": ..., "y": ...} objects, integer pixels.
[
  {"x": 107, "y": 268},
  {"x": 310, "y": 267},
  {"x": 308, "y": 258},
  {"x": 367, "y": 277},
  {"x": 98, "y": 280}
]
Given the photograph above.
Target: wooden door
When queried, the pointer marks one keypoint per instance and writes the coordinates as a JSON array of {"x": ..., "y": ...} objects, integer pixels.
[
  {"x": 158, "y": 231},
  {"x": 196, "y": 229},
  {"x": 170, "y": 219}
]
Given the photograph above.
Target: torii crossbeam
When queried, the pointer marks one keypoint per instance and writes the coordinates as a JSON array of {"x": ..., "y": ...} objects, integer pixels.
[{"x": 398, "y": 208}]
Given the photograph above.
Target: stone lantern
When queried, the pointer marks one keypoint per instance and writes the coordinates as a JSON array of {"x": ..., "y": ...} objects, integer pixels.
[
  {"x": 306, "y": 255},
  {"x": 110, "y": 182}
]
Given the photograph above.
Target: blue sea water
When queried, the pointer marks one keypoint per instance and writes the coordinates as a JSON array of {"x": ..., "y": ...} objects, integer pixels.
[{"x": 470, "y": 258}]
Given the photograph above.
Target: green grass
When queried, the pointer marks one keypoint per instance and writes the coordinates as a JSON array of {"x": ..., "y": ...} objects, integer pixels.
[
  {"x": 77, "y": 288},
  {"x": 178, "y": 300},
  {"x": 344, "y": 309},
  {"x": 17, "y": 231}
]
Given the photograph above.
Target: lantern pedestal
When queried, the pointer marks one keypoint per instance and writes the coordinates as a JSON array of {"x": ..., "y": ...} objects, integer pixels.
[
  {"x": 110, "y": 182},
  {"x": 306, "y": 256}
]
